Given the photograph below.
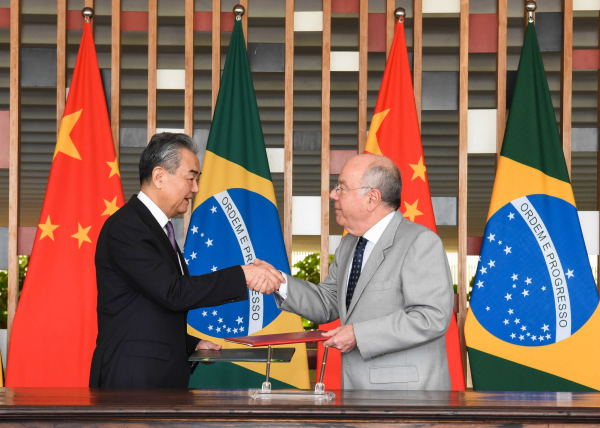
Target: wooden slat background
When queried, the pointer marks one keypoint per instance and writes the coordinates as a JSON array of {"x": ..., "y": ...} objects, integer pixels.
[
  {"x": 115, "y": 72},
  {"x": 14, "y": 183},
  {"x": 152, "y": 66},
  {"x": 288, "y": 129},
  {"x": 325, "y": 129},
  {"x": 566, "y": 87},
  {"x": 463, "y": 163}
]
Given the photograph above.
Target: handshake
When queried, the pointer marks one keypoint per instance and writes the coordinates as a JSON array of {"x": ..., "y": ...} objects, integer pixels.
[{"x": 262, "y": 277}]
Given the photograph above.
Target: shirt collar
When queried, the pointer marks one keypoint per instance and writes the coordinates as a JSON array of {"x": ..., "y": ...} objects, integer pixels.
[
  {"x": 158, "y": 214},
  {"x": 374, "y": 234}
]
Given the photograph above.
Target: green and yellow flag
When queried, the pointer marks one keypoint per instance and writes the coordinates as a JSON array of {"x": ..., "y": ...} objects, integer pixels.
[
  {"x": 533, "y": 323},
  {"x": 234, "y": 221}
]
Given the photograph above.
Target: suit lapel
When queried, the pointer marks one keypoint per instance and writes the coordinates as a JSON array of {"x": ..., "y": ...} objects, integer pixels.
[
  {"x": 155, "y": 228},
  {"x": 375, "y": 259}
]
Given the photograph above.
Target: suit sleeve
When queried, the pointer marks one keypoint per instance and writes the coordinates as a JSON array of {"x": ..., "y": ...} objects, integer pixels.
[
  {"x": 318, "y": 303},
  {"x": 135, "y": 257},
  {"x": 428, "y": 297}
]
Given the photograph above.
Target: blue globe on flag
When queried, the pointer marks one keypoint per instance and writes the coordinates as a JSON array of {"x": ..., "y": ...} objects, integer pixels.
[
  {"x": 223, "y": 233},
  {"x": 533, "y": 286}
]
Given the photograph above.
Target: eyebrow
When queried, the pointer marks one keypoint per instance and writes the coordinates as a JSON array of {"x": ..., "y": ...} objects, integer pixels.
[
  {"x": 342, "y": 182},
  {"x": 193, "y": 171}
]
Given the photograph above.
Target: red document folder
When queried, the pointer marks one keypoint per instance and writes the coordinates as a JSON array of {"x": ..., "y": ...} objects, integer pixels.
[{"x": 280, "y": 339}]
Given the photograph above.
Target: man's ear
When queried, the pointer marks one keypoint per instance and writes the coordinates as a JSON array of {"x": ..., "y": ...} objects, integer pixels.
[
  {"x": 374, "y": 199},
  {"x": 158, "y": 175}
]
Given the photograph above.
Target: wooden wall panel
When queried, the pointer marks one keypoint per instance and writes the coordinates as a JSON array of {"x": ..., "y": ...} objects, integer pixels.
[
  {"x": 245, "y": 20},
  {"x": 14, "y": 174},
  {"x": 390, "y": 20},
  {"x": 566, "y": 87},
  {"x": 216, "y": 52},
  {"x": 61, "y": 61},
  {"x": 325, "y": 129},
  {"x": 115, "y": 76},
  {"x": 463, "y": 280},
  {"x": 188, "y": 119},
  {"x": 501, "y": 75},
  {"x": 363, "y": 58},
  {"x": 418, "y": 54},
  {"x": 152, "y": 47},
  {"x": 90, "y": 3},
  {"x": 598, "y": 164},
  {"x": 288, "y": 128}
]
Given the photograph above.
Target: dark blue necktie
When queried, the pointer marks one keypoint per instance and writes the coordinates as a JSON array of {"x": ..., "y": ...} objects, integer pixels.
[{"x": 356, "y": 268}]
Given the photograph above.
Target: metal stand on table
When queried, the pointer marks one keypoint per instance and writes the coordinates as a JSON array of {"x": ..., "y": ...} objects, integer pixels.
[{"x": 319, "y": 393}]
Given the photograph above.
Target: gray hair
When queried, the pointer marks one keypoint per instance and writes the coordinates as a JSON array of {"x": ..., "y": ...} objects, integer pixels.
[
  {"x": 387, "y": 180},
  {"x": 164, "y": 150}
]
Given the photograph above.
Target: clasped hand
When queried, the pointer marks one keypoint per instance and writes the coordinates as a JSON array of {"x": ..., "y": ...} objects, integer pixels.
[{"x": 262, "y": 277}]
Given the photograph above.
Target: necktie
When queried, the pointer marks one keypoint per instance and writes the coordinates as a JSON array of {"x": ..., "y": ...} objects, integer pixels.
[
  {"x": 171, "y": 235},
  {"x": 356, "y": 268}
]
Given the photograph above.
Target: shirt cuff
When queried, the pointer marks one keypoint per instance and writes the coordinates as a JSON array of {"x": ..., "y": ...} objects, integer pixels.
[{"x": 282, "y": 292}]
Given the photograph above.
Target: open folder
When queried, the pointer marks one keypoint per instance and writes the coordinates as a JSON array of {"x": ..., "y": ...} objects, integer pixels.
[{"x": 280, "y": 339}]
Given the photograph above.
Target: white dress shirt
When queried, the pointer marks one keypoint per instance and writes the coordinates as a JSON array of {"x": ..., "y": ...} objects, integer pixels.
[
  {"x": 372, "y": 236},
  {"x": 159, "y": 215}
]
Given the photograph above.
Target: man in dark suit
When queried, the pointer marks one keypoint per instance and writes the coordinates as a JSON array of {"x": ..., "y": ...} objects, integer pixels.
[{"x": 144, "y": 288}]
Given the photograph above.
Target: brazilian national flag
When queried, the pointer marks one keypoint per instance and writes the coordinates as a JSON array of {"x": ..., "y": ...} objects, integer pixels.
[
  {"x": 533, "y": 323},
  {"x": 234, "y": 221}
]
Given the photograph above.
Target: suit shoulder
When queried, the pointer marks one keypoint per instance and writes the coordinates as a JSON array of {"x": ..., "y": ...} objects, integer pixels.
[
  {"x": 125, "y": 217},
  {"x": 415, "y": 231}
]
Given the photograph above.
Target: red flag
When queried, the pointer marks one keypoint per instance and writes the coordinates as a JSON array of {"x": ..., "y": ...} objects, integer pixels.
[
  {"x": 395, "y": 133},
  {"x": 54, "y": 331}
]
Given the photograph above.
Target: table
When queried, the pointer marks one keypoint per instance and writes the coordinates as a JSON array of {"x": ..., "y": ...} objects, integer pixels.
[{"x": 70, "y": 407}]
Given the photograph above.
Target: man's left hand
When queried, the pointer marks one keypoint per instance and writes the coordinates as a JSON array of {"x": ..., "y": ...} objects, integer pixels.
[
  {"x": 206, "y": 344},
  {"x": 342, "y": 338}
]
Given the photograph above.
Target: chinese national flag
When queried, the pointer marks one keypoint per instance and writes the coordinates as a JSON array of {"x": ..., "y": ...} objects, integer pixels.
[
  {"x": 54, "y": 330},
  {"x": 395, "y": 133}
]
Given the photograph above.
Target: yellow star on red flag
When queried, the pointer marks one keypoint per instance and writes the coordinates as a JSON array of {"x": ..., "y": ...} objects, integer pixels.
[
  {"x": 114, "y": 168},
  {"x": 419, "y": 169},
  {"x": 372, "y": 145},
  {"x": 47, "y": 229},
  {"x": 111, "y": 207},
  {"x": 81, "y": 234},
  {"x": 64, "y": 144},
  {"x": 411, "y": 210}
]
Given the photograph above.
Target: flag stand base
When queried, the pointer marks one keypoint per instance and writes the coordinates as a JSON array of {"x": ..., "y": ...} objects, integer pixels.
[{"x": 319, "y": 394}]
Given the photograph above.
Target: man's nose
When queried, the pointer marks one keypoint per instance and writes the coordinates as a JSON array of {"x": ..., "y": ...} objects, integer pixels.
[
  {"x": 195, "y": 187},
  {"x": 333, "y": 195}
]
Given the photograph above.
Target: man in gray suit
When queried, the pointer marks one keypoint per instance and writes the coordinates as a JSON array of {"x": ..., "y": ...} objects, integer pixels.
[{"x": 389, "y": 284}]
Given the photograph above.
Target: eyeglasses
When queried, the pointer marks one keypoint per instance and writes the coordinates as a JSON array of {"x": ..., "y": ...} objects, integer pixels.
[{"x": 339, "y": 189}]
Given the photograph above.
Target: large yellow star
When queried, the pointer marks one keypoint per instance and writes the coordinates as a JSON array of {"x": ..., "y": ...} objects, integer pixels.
[
  {"x": 81, "y": 235},
  {"x": 411, "y": 210},
  {"x": 372, "y": 145},
  {"x": 419, "y": 169},
  {"x": 64, "y": 143},
  {"x": 47, "y": 229},
  {"x": 111, "y": 207},
  {"x": 114, "y": 168}
]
